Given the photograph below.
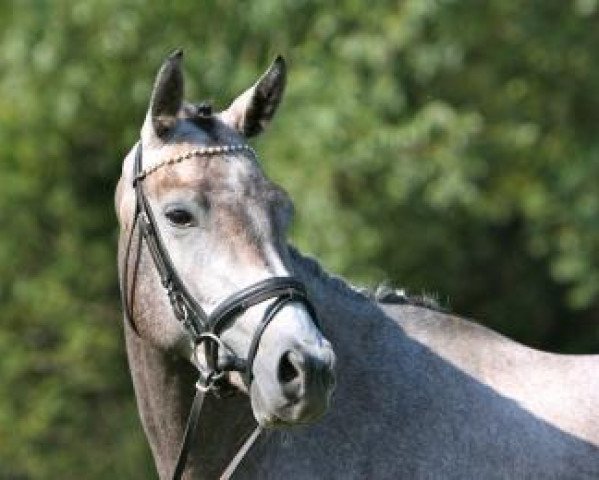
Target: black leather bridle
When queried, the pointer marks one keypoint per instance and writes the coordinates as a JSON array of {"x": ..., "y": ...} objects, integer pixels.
[{"x": 202, "y": 327}]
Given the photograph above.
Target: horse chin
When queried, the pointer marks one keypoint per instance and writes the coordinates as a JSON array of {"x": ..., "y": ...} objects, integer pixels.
[
  {"x": 277, "y": 412},
  {"x": 264, "y": 411}
]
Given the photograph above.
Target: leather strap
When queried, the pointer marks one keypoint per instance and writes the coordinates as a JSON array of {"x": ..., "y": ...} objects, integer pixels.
[
  {"x": 190, "y": 430},
  {"x": 128, "y": 293},
  {"x": 273, "y": 309},
  {"x": 240, "y": 301},
  {"x": 239, "y": 456},
  {"x": 186, "y": 308}
]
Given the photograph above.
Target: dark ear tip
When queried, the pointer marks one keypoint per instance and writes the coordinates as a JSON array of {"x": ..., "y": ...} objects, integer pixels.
[
  {"x": 279, "y": 61},
  {"x": 176, "y": 54}
]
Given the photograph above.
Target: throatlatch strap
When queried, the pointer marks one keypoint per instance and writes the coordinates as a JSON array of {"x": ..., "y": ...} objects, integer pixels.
[{"x": 128, "y": 292}]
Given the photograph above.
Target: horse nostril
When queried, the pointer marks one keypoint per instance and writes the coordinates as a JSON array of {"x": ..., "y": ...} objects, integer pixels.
[{"x": 288, "y": 369}]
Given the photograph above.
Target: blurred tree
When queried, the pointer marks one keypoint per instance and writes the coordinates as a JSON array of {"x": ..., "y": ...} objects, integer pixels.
[{"x": 445, "y": 146}]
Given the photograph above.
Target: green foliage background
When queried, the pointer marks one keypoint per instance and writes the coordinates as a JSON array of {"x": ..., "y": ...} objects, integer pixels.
[{"x": 446, "y": 146}]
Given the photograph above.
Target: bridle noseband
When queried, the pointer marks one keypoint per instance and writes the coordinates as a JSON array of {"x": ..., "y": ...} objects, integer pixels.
[{"x": 202, "y": 327}]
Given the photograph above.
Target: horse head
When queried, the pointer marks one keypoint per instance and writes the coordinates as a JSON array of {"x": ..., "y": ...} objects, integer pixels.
[{"x": 223, "y": 225}]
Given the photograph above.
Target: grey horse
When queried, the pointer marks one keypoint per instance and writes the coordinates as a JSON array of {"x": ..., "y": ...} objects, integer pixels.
[{"x": 418, "y": 393}]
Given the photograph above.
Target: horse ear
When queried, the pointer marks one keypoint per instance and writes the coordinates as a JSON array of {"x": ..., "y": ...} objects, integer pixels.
[
  {"x": 167, "y": 95},
  {"x": 251, "y": 112}
]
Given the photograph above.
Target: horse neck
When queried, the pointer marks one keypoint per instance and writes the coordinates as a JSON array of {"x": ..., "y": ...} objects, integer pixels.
[
  {"x": 349, "y": 320},
  {"x": 333, "y": 296}
]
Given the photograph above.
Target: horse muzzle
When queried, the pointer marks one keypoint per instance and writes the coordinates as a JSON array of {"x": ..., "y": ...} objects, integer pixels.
[{"x": 301, "y": 388}]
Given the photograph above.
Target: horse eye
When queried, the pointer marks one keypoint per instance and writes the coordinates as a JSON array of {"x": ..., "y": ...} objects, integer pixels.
[{"x": 180, "y": 217}]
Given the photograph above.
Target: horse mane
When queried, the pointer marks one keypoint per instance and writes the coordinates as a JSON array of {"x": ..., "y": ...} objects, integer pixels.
[{"x": 382, "y": 293}]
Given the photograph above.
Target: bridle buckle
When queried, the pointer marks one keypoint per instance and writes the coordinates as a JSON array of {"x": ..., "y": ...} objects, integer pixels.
[{"x": 207, "y": 381}]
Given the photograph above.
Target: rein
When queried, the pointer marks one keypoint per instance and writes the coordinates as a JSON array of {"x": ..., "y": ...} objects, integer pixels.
[{"x": 202, "y": 327}]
